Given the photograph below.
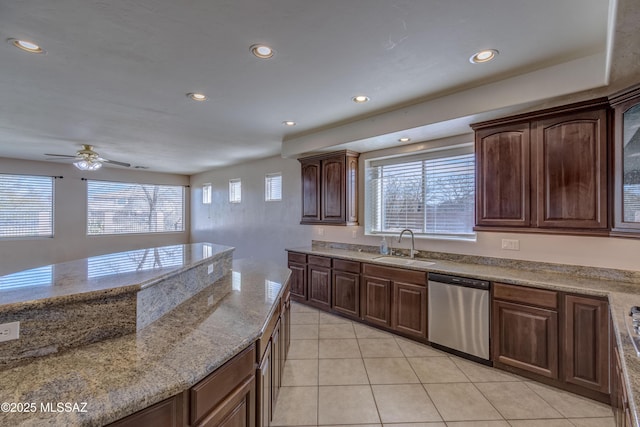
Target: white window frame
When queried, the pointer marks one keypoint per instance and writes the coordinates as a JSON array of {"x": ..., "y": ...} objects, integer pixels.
[
  {"x": 235, "y": 190},
  {"x": 459, "y": 150},
  {"x": 110, "y": 208},
  {"x": 270, "y": 180},
  {"x": 16, "y": 185},
  {"x": 206, "y": 194}
]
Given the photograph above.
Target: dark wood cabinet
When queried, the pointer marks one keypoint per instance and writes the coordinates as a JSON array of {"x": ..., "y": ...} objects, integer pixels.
[
  {"x": 227, "y": 396},
  {"x": 395, "y": 298},
  {"x": 330, "y": 188},
  {"x": 586, "y": 342},
  {"x": 410, "y": 309},
  {"x": 264, "y": 386},
  {"x": 171, "y": 412},
  {"x": 572, "y": 169},
  {"x": 319, "y": 281},
  {"x": 346, "y": 288},
  {"x": 376, "y": 301},
  {"x": 525, "y": 329},
  {"x": 526, "y": 338},
  {"x": 619, "y": 396},
  {"x": 297, "y": 263},
  {"x": 545, "y": 171},
  {"x": 311, "y": 191},
  {"x": 503, "y": 177}
]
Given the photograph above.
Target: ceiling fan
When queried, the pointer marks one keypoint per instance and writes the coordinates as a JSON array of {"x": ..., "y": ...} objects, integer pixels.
[{"x": 88, "y": 160}]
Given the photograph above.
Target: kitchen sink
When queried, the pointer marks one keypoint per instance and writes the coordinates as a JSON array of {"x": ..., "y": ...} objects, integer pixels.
[{"x": 394, "y": 260}]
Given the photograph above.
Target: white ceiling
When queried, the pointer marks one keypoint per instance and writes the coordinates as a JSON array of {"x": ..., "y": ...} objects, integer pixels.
[{"x": 116, "y": 72}]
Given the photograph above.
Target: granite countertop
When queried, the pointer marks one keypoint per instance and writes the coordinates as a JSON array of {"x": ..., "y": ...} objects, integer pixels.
[
  {"x": 120, "y": 376},
  {"x": 622, "y": 288},
  {"x": 104, "y": 274}
]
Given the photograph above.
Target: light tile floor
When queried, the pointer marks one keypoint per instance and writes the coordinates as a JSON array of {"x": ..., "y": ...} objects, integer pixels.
[{"x": 344, "y": 373}]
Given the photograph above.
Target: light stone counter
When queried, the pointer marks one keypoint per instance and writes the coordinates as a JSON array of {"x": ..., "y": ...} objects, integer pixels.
[
  {"x": 621, "y": 287},
  {"x": 120, "y": 376}
]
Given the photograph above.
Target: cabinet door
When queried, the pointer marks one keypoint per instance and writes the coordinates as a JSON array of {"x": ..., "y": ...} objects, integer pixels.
[
  {"x": 237, "y": 410},
  {"x": 410, "y": 309},
  {"x": 586, "y": 347},
  {"x": 320, "y": 286},
  {"x": 333, "y": 189},
  {"x": 346, "y": 293},
  {"x": 310, "y": 191},
  {"x": 376, "y": 301},
  {"x": 264, "y": 389},
  {"x": 572, "y": 171},
  {"x": 503, "y": 176},
  {"x": 286, "y": 327},
  {"x": 276, "y": 364},
  {"x": 298, "y": 280},
  {"x": 526, "y": 338},
  {"x": 168, "y": 413}
]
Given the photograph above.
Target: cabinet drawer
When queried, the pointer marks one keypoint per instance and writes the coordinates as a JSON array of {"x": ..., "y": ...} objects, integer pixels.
[
  {"x": 395, "y": 274},
  {"x": 320, "y": 261},
  {"x": 348, "y": 266},
  {"x": 296, "y": 257},
  {"x": 525, "y": 295},
  {"x": 212, "y": 390}
]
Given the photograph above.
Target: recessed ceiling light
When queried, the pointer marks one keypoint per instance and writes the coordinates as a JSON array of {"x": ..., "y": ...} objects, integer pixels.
[
  {"x": 262, "y": 51},
  {"x": 404, "y": 139},
  {"x": 359, "y": 99},
  {"x": 27, "y": 46},
  {"x": 483, "y": 56},
  {"x": 197, "y": 96},
  {"x": 289, "y": 123}
]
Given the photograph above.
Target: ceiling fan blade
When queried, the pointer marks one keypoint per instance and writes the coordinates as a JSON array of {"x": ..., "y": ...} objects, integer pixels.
[
  {"x": 114, "y": 162},
  {"x": 61, "y": 155}
]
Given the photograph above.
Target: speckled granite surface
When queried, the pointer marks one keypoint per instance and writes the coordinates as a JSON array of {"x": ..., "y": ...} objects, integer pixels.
[
  {"x": 119, "y": 376},
  {"x": 621, "y": 287},
  {"x": 73, "y": 303}
]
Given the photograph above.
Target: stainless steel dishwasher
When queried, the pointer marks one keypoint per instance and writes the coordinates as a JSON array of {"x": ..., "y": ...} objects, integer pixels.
[{"x": 459, "y": 316}]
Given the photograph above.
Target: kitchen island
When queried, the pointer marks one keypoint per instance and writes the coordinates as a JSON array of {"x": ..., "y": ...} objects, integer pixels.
[{"x": 112, "y": 378}]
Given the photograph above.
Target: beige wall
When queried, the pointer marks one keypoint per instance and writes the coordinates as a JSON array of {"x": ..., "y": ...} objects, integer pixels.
[{"x": 71, "y": 240}]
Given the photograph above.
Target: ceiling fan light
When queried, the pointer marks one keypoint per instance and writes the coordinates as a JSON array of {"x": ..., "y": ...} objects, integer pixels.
[{"x": 87, "y": 165}]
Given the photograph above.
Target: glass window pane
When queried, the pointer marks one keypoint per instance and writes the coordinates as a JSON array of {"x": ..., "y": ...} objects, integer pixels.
[
  {"x": 273, "y": 187},
  {"x": 631, "y": 165},
  {"x": 121, "y": 208},
  {"x": 235, "y": 191},
  {"x": 26, "y": 206}
]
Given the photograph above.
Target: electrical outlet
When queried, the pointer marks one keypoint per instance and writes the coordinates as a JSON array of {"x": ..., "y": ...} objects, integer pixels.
[
  {"x": 9, "y": 331},
  {"x": 354, "y": 234},
  {"x": 210, "y": 269},
  {"x": 511, "y": 244},
  {"x": 320, "y": 231},
  {"x": 210, "y": 301}
]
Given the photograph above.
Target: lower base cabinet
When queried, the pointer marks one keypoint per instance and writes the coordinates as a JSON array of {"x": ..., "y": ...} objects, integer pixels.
[{"x": 171, "y": 412}]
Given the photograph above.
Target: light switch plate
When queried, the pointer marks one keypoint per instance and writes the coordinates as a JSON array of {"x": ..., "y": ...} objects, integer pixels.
[
  {"x": 9, "y": 331},
  {"x": 210, "y": 269}
]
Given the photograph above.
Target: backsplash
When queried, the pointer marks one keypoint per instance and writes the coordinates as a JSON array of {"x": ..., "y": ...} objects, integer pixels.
[{"x": 575, "y": 270}]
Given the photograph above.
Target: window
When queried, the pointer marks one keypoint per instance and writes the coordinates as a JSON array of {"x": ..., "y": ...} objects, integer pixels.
[
  {"x": 121, "y": 208},
  {"x": 235, "y": 190},
  {"x": 26, "y": 206},
  {"x": 206, "y": 194},
  {"x": 273, "y": 187},
  {"x": 431, "y": 193}
]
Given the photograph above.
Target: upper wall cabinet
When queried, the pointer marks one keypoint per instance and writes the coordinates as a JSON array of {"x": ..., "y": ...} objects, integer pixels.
[
  {"x": 544, "y": 171},
  {"x": 626, "y": 157},
  {"x": 330, "y": 189}
]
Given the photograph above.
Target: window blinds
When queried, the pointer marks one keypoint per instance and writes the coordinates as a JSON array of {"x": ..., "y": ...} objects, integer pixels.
[
  {"x": 26, "y": 206},
  {"x": 273, "y": 187},
  {"x": 120, "y": 208},
  {"x": 431, "y": 194}
]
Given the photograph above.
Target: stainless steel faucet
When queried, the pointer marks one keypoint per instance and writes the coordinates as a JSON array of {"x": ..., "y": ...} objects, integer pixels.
[{"x": 413, "y": 242}]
